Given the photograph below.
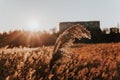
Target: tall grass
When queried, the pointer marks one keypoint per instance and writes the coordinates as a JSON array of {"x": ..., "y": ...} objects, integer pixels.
[
  {"x": 89, "y": 62},
  {"x": 66, "y": 39}
]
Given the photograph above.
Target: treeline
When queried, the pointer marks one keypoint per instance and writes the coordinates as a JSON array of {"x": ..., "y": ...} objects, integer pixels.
[
  {"x": 27, "y": 38},
  {"x": 35, "y": 39},
  {"x": 104, "y": 36},
  {"x": 111, "y": 35}
]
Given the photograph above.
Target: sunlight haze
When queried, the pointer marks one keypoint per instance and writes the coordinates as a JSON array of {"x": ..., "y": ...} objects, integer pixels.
[{"x": 46, "y": 14}]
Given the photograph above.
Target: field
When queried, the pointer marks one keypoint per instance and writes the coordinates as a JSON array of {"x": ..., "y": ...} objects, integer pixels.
[{"x": 85, "y": 62}]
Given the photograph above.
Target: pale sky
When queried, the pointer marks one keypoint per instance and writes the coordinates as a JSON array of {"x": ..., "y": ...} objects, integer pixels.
[{"x": 46, "y": 14}]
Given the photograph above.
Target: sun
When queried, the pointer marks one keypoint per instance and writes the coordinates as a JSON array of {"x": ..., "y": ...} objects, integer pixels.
[{"x": 33, "y": 25}]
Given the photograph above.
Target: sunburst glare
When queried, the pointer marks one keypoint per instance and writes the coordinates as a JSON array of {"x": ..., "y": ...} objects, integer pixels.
[{"x": 33, "y": 25}]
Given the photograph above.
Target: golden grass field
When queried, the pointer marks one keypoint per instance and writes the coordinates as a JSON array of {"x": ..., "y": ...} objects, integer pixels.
[{"x": 85, "y": 62}]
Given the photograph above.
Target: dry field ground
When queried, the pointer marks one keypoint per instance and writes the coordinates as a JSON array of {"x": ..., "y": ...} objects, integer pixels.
[{"x": 85, "y": 62}]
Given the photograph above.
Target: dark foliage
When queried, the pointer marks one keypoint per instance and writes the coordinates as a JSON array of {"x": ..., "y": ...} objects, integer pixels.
[
  {"x": 34, "y": 39},
  {"x": 27, "y": 39}
]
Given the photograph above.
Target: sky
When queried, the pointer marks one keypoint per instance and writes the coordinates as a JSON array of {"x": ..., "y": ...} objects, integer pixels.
[{"x": 47, "y": 14}]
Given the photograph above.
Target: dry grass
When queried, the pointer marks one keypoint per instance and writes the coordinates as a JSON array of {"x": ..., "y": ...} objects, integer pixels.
[
  {"x": 86, "y": 62},
  {"x": 65, "y": 40}
]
